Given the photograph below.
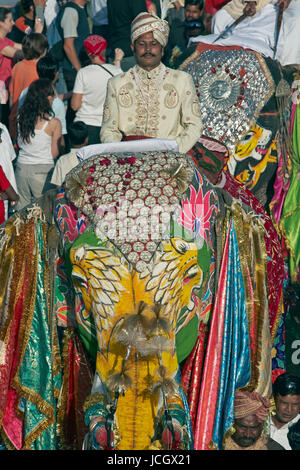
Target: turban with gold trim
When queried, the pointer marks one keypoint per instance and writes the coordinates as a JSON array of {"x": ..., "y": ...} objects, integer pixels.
[
  {"x": 146, "y": 22},
  {"x": 248, "y": 403}
]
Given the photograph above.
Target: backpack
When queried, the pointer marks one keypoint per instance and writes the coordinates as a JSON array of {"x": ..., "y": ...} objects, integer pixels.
[{"x": 55, "y": 35}]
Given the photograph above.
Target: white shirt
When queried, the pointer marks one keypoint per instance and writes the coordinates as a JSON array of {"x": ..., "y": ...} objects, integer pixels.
[
  {"x": 38, "y": 150},
  {"x": 256, "y": 32},
  {"x": 51, "y": 10},
  {"x": 7, "y": 155},
  {"x": 91, "y": 82},
  {"x": 280, "y": 435},
  {"x": 58, "y": 108},
  {"x": 64, "y": 164}
]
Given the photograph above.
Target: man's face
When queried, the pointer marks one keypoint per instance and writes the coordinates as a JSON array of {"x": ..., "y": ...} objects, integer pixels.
[
  {"x": 148, "y": 51},
  {"x": 287, "y": 408},
  {"x": 192, "y": 12},
  {"x": 8, "y": 23},
  {"x": 248, "y": 431}
]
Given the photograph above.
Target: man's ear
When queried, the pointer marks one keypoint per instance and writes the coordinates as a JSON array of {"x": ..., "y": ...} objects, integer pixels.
[{"x": 132, "y": 48}]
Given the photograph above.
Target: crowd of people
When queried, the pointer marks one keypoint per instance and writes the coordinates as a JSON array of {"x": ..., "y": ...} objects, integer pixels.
[{"x": 100, "y": 82}]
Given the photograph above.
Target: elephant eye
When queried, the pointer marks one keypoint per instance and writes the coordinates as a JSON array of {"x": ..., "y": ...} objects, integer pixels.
[
  {"x": 249, "y": 136},
  {"x": 180, "y": 246}
]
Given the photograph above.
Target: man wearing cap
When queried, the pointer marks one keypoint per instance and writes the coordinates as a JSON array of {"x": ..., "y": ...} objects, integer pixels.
[
  {"x": 90, "y": 85},
  {"x": 151, "y": 100},
  {"x": 286, "y": 392},
  {"x": 251, "y": 411}
]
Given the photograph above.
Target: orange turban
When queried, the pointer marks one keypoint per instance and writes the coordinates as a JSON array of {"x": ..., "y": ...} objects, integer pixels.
[{"x": 248, "y": 403}]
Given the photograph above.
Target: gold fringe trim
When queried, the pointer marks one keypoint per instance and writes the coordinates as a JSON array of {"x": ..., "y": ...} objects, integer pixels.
[
  {"x": 62, "y": 402},
  {"x": 16, "y": 280},
  {"x": 28, "y": 309},
  {"x": 94, "y": 399},
  {"x": 242, "y": 226},
  {"x": 277, "y": 319},
  {"x": 189, "y": 60},
  {"x": 248, "y": 227}
]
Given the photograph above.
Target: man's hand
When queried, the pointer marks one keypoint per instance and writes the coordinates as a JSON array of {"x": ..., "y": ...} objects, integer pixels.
[
  {"x": 283, "y": 3},
  {"x": 38, "y": 25},
  {"x": 250, "y": 8},
  {"x": 152, "y": 8},
  {"x": 70, "y": 51},
  {"x": 119, "y": 54}
]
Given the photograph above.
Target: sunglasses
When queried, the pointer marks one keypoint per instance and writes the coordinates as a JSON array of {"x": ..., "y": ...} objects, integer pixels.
[{"x": 195, "y": 24}]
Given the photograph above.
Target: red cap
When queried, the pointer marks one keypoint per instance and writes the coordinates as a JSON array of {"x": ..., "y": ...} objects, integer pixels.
[{"x": 94, "y": 45}]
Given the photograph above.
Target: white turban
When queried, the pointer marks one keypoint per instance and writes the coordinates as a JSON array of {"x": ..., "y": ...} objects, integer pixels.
[{"x": 146, "y": 22}]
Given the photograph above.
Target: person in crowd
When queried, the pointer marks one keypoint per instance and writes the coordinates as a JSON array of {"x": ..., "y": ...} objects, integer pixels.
[
  {"x": 9, "y": 50},
  {"x": 251, "y": 412},
  {"x": 51, "y": 11},
  {"x": 192, "y": 29},
  {"x": 121, "y": 13},
  {"x": 75, "y": 28},
  {"x": 34, "y": 47},
  {"x": 176, "y": 11},
  {"x": 99, "y": 18},
  {"x": 178, "y": 37},
  {"x": 7, "y": 192},
  {"x": 294, "y": 436},
  {"x": 39, "y": 141},
  {"x": 78, "y": 135},
  {"x": 7, "y": 157},
  {"x": 286, "y": 392},
  {"x": 32, "y": 20},
  {"x": 90, "y": 86},
  {"x": 151, "y": 100},
  {"x": 48, "y": 68}
]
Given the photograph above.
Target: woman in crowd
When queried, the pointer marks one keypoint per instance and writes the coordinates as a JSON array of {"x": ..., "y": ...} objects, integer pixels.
[
  {"x": 8, "y": 51},
  {"x": 39, "y": 140},
  {"x": 88, "y": 96}
]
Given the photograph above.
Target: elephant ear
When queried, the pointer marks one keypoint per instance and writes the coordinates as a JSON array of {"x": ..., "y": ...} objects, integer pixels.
[
  {"x": 99, "y": 277},
  {"x": 228, "y": 106}
]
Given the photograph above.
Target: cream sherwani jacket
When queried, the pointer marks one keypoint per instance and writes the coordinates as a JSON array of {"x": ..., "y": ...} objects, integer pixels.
[{"x": 161, "y": 103}]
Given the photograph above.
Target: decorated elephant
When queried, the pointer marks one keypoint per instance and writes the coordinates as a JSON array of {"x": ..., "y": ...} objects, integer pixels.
[
  {"x": 128, "y": 306},
  {"x": 156, "y": 283}
]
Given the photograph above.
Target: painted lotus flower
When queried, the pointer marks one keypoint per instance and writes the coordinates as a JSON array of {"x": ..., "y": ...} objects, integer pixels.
[{"x": 196, "y": 211}]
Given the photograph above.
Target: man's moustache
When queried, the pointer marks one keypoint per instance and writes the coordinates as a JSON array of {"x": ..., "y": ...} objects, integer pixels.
[{"x": 148, "y": 53}]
